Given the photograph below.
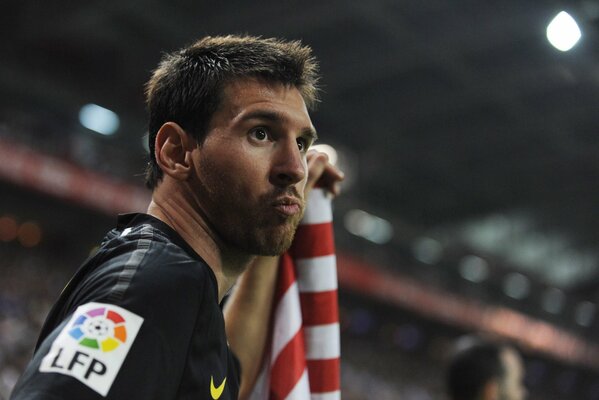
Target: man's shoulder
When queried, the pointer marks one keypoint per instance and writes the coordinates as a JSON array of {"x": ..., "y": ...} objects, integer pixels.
[
  {"x": 146, "y": 246},
  {"x": 136, "y": 263},
  {"x": 142, "y": 271}
]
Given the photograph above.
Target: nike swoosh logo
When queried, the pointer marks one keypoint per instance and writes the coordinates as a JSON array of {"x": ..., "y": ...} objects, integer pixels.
[{"x": 216, "y": 392}]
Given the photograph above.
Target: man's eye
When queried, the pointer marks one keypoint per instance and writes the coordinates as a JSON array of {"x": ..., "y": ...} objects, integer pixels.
[
  {"x": 302, "y": 144},
  {"x": 259, "y": 134}
]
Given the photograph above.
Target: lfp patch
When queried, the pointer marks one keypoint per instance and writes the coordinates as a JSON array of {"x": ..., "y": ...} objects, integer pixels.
[{"x": 93, "y": 345}]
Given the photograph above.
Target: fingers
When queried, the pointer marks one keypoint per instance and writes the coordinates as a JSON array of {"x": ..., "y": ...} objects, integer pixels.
[
  {"x": 331, "y": 179},
  {"x": 321, "y": 171},
  {"x": 316, "y": 165}
]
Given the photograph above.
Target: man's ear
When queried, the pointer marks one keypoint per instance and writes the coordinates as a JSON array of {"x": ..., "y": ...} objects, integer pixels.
[
  {"x": 490, "y": 390},
  {"x": 173, "y": 148}
]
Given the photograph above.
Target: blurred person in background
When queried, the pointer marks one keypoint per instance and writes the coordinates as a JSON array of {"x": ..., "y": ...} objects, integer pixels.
[
  {"x": 229, "y": 134},
  {"x": 483, "y": 370}
]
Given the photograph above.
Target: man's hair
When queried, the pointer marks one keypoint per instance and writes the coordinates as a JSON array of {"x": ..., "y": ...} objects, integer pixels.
[
  {"x": 473, "y": 367},
  {"x": 187, "y": 87}
]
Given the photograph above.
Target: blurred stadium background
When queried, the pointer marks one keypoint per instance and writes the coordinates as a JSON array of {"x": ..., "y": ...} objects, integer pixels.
[{"x": 470, "y": 145}]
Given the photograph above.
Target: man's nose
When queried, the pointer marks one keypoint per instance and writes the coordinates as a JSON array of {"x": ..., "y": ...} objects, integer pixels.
[{"x": 289, "y": 165}]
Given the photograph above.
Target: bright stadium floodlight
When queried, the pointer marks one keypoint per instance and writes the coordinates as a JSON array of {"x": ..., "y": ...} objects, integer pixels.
[
  {"x": 99, "y": 119},
  {"x": 563, "y": 32}
]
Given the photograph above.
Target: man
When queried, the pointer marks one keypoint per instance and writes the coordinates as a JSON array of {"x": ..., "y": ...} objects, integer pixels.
[
  {"x": 486, "y": 371},
  {"x": 229, "y": 137}
]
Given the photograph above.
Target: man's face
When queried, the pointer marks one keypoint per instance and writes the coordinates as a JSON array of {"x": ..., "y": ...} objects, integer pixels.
[
  {"x": 251, "y": 169},
  {"x": 512, "y": 385}
]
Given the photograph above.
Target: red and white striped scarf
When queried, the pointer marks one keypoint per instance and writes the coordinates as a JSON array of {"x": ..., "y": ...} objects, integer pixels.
[{"x": 302, "y": 361}]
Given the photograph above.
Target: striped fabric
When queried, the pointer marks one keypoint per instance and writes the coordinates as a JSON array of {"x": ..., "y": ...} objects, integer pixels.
[{"x": 303, "y": 359}]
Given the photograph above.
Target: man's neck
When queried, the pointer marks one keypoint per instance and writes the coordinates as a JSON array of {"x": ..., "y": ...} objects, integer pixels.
[{"x": 172, "y": 205}]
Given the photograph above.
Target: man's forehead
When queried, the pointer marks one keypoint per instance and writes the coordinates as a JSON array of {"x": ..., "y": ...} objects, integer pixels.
[
  {"x": 244, "y": 95},
  {"x": 242, "y": 91}
]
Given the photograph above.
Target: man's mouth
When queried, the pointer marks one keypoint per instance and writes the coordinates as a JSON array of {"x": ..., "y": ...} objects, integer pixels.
[{"x": 287, "y": 205}]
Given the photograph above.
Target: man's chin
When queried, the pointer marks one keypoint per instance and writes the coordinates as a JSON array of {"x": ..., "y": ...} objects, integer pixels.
[
  {"x": 275, "y": 242},
  {"x": 276, "y": 247}
]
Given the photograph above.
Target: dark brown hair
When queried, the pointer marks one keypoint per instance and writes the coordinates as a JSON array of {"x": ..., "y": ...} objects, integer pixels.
[{"x": 187, "y": 86}]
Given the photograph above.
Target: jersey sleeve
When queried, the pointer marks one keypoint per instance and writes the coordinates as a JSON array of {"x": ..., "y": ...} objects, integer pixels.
[{"x": 127, "y": 334}]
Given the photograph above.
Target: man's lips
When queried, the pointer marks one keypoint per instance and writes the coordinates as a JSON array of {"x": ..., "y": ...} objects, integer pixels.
[{"x": 287, "y": 205}]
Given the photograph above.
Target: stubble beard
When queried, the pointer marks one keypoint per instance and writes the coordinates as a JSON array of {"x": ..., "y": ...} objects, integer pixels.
[{"x": 263, "y": 238}]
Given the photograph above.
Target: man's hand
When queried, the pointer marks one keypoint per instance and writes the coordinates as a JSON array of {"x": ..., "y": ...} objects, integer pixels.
[{"x": 322, "y": 173}]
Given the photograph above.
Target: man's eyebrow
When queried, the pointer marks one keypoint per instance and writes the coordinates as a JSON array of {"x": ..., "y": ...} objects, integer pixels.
[
  {"x": 311, "y": 134},
  {"x": 274, "y": 116}
]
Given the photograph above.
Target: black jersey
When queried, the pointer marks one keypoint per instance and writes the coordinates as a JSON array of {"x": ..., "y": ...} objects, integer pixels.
[{"x": 139, "y": 320}]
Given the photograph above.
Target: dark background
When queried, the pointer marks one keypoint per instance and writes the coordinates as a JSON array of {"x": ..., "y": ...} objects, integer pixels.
[{"x": 456, "y": 122}]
